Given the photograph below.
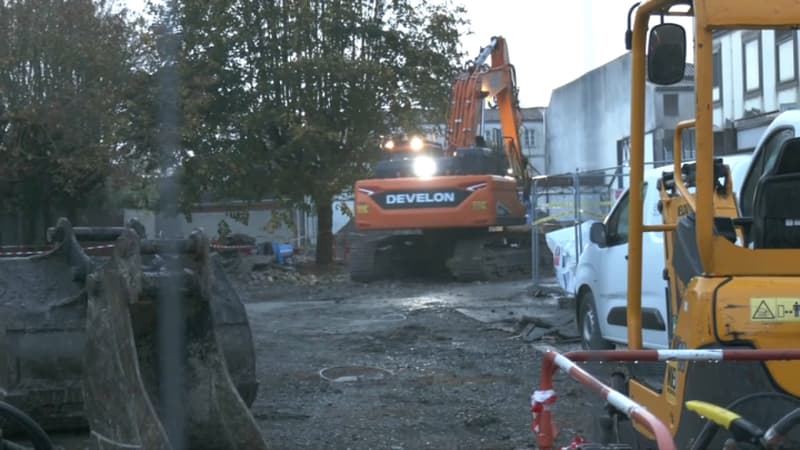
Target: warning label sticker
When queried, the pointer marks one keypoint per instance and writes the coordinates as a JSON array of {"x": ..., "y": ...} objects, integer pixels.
[{"x": 775, "y": 309}]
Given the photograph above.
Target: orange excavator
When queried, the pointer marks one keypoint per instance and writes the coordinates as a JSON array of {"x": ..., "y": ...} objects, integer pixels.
[{"x": 458, "y": 208}]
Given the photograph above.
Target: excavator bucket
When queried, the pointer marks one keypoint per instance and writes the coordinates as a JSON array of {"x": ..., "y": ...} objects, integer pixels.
[
  {"x": 83, "y": 343},
  {"x": 43, "y": 333}
]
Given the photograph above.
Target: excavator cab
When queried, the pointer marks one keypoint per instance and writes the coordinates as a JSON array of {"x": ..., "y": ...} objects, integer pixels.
[
  {"x": 421, "y": 158},
  {"x": 733, "y": 281},
  {"x": 414, "y": 157}
]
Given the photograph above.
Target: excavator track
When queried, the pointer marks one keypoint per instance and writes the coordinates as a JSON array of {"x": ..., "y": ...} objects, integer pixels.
[
  {"x": 362, "y": 262},
  {"x": 493, "y": 257},
  {"x": 465, "y": 255},
  {"x": 382, "y": 255}
]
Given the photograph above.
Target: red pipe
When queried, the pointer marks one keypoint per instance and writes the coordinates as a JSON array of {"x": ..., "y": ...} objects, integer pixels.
[
  {"x": 631, "y": 409},
  {"x": 687, "y": 355},
  {"x": 544, "y": 398},
  {"x": 540, "y": 408}
]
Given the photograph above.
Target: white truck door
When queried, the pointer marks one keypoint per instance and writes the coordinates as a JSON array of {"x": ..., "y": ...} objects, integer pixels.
[{"x": 612, "y": 286}]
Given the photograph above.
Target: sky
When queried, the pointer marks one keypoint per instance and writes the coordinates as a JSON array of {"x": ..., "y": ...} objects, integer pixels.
[{"x": 550, "y": 42}]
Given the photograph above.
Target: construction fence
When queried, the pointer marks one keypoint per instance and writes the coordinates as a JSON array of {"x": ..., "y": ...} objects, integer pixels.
[{"x": 563, "y": 206}]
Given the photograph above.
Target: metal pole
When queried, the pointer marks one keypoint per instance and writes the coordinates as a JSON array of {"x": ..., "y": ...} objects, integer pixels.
[
  {"x": 534, "y": 237},
  {"x": 483, "y": 117},
  {"x": 575, "y": 212},
  {"x": 634, "y": 310},
  {"x": 170, "y": 325},
  {"x": 579, "y": 214}
]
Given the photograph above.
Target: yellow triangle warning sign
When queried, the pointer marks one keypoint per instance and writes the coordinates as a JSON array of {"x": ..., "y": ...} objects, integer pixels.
[{"x": 763, "y": 312}]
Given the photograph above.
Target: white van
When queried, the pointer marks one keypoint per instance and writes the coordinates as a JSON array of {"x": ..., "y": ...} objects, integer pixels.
[{"x": 601, "y": 276}]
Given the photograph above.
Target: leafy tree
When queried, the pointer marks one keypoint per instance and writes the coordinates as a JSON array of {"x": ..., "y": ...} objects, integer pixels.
[
  {"x": 63, "y": 72},
  {"x": 290, "y": 97}
]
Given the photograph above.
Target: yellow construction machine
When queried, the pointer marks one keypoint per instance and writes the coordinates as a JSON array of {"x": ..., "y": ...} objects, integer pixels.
[
  {"x": 734, "y": 281},
  {"x": 730, "y": 379}
]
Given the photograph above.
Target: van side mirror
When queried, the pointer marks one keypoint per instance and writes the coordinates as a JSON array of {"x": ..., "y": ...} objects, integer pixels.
[
  {"x": 597, "y": 234},
  {"x": 666, "y": 54}
]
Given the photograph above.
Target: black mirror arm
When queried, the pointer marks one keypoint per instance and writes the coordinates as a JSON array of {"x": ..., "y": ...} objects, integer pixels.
[{"x": 629, "y": 31}]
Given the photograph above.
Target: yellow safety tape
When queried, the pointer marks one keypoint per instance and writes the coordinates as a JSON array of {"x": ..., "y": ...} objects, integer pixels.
[
  {"x": 553, "y": 217},
  {"x": 572, "y": 204}
]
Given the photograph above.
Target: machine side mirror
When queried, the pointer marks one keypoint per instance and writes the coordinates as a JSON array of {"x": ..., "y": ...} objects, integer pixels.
[
  {"x": 666, "y": 54},
  {"x": 598, "y": 235}
]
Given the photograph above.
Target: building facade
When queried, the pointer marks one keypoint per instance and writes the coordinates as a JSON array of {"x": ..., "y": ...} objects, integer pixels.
[
  {"x": 532, "y": 133},
  {"x": 588, "y": 119},
  {"x": 755, "y": 77}
]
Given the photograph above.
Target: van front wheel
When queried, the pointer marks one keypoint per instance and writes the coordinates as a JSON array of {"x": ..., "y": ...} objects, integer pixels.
[{"x": 591, "y": 339}]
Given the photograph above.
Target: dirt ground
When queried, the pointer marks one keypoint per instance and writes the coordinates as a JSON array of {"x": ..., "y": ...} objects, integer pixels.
[{"x": 411, "y": 364}]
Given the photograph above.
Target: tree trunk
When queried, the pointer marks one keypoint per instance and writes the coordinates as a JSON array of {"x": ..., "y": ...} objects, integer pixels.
[{"x": 324, "y": 232}]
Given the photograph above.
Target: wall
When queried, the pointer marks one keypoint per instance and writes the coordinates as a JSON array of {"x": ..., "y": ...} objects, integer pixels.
[
  {"x": 536, "y": 153},
  {"x": 340, "y": 218},
  {"x": 686, "y": 105},
  {"x": 587, "y": 117},
  {"x": 257, "y": 224}
]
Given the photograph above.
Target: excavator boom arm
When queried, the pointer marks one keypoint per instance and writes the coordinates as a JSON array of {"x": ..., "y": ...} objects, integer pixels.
[{"x": 469, "y": 92}]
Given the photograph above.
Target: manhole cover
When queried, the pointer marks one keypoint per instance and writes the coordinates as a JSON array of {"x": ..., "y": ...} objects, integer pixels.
[
  {"x": 344, "y": 374},
  {"x": 393, "y": 317}
]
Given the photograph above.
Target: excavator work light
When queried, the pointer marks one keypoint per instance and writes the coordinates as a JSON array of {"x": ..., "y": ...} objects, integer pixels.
[
  {"x": 416, "y": 143},
  {"x": 424, "y": 166}
]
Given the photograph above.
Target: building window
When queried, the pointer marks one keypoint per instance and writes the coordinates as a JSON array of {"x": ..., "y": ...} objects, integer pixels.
[
  {"x": 497, "y": 137},
  {"x": 717, "y": 82},
  {"x": 786, "y": 56},
  {"x": 671, "y": 105},
  {"x": 530, "y": 138},
  {"x": 751, "y": 49}
]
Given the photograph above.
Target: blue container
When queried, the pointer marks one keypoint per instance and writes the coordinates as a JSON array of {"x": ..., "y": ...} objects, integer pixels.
[{"x": 282, "y": 252}]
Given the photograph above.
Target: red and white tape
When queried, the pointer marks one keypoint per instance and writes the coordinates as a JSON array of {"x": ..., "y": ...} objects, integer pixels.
[
  {"x": 98, "y": 247},
  {"x": 22, "y": 252},
  {"x": 18, "y": 250},
  {"x": 232, "y": 247}
]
